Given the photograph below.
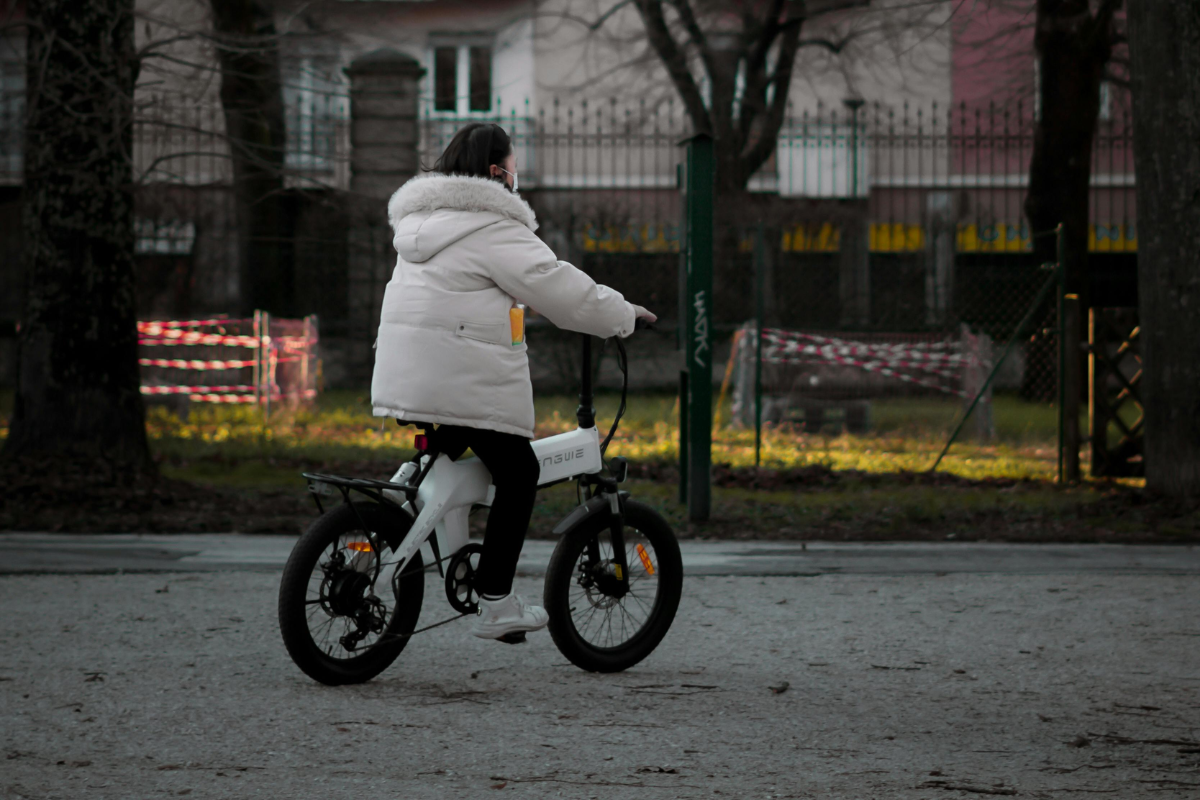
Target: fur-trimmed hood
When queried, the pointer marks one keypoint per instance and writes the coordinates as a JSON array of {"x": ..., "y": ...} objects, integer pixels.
[
  {"x": 461, "y": 193},
  {"x": 430, "y": 213}
]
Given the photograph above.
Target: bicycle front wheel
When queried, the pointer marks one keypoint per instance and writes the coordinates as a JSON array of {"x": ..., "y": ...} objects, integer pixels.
[{"x": 597, "y": 622}]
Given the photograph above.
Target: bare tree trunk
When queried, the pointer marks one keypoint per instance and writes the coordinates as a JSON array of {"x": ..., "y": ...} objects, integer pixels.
[
  {"x": 78, "y": 406},
  {"x": 1073, "y": 48},
  {"x": 1164, "y": 40},
  {"x": 1072, "y": 57},
  {"x": 248, "y": 51}
]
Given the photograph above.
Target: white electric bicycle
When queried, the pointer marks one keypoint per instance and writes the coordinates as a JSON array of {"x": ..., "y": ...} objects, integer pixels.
[{"x": 352, "y": 589}]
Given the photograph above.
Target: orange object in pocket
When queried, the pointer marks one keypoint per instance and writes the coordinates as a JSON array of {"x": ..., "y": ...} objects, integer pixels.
[{"x": 516, "y": 320}]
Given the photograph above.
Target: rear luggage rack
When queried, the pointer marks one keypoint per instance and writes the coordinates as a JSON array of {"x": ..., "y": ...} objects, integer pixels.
[{"x": 371, "y": 488}]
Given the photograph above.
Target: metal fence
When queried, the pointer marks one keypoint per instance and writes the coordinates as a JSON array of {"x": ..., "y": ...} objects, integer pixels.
[
  {"x": 881, "y": 220},
  {"x": 187, "y": 219},
  {"x": 900, "y": 219}
]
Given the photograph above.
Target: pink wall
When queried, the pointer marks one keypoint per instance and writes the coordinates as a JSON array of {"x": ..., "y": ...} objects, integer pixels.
[{"x": 992, "y": 53}]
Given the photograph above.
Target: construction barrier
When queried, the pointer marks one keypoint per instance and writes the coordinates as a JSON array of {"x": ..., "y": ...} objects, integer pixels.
[
  {"x": 280, "y": 364},
  {"x": 814, "y": 371}
]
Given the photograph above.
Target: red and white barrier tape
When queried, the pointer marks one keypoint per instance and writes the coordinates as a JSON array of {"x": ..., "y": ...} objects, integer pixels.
[
  {"x": 194, "y": 389},
  {"x": 153, "y": 326},
  {"x": 178, "y": 363},
  {"x": 194, "y": 338},
  {"x": 174, "y": 333},
  {"x": 888, "y": 359},
  {"x": 173, "y": 338},
  {"x": 222, "y": 398}
]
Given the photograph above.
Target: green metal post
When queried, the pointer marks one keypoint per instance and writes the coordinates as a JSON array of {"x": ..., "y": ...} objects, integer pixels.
[
  {"x": 698, "y": 200},
  {"x": 681, "y": 336},
  {"x": 760, "y": 257}
]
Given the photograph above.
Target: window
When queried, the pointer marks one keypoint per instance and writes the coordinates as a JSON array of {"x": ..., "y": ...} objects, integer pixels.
[
  {"x": 462, "y": 78},
  {"x": 445, "y": 79},
  {"x": 315, "y": 110},
  {"x": 481, "y": 78}
]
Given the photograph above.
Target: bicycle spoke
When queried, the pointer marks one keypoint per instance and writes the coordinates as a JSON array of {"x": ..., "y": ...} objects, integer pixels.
[
  {"x": 590, "y": 614},
  {"x": 640, "y": 602},
  {"x": 626, "y": 615}
]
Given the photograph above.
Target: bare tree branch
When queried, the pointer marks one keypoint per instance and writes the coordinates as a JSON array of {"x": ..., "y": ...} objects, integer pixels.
[
  {"x": 603, "y": 18},
  {"x": 754, "y": 98},
  {"x": 675, "y": 61},
  {"x": 835, "y": 47},
  {"x": 763, "y": 145}
]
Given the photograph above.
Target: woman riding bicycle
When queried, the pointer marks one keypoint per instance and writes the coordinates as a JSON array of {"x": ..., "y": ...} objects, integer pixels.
[{"x": 451, "y": 347}]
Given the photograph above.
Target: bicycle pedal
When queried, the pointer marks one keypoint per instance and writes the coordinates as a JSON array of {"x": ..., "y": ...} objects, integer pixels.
[{"x": 513, "y": 638}]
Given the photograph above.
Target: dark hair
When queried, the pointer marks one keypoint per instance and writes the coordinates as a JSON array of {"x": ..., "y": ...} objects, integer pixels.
[{"x": 474, "y": 149}]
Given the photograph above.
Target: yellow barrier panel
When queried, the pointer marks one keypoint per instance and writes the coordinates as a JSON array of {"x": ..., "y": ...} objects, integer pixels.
[{"x": 885, "y": 237}]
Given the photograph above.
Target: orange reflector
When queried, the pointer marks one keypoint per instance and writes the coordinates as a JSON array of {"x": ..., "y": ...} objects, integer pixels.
[
  {"x": 645, "y": 559},
  {"x": 359, "y": 547}
]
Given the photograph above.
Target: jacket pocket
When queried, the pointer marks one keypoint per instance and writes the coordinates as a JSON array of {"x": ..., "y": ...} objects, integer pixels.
[{"x": 491, "y": 332}]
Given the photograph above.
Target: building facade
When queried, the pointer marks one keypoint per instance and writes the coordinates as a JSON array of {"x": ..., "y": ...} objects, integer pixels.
[{"x": 895, "y": 188}]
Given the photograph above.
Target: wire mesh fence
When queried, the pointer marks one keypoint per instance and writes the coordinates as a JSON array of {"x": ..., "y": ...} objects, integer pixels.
[{"x": 888, "y": 229}]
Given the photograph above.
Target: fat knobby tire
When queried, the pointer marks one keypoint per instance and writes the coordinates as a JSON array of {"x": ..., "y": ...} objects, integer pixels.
[
  {"x": 293, "y": 624},
  {"x": 560, "y": 576}
]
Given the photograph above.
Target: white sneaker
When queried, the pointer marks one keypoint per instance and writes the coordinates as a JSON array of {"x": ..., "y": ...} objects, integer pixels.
[{"x": 509, "y": 614}]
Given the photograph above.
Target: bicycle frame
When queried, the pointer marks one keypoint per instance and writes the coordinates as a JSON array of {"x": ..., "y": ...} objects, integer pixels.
[
  {"x": 439, "y": 493},
  {"x": 446, "y": 491},
  {"x": 450, "y": 489}
]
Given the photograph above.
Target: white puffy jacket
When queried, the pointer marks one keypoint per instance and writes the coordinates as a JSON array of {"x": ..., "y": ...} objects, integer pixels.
[{"x": 468, "y": 254}]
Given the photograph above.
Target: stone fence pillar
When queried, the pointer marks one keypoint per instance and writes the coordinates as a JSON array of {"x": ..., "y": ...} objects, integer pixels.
[{"x": 384, "y": 138}]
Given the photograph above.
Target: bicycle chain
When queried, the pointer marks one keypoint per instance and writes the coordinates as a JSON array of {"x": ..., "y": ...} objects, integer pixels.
[{"x": 394, "y": 636}]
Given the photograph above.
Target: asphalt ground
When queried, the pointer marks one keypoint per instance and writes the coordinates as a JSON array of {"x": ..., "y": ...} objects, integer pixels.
[
  {"x": 83, "y": 553},
  {"x": 1055, "y": 680}
]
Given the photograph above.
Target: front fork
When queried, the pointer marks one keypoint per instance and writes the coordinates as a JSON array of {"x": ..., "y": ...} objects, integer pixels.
[{"x": 616, "y": 533}]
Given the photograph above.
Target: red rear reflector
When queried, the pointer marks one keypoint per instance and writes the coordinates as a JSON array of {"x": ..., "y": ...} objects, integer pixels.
[{"x": 421, "y": 441}]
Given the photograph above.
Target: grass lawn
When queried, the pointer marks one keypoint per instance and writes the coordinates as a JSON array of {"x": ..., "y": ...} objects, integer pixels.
[
  {"x": 242, "y": 472},
  {"x": 213, "y": 443}
]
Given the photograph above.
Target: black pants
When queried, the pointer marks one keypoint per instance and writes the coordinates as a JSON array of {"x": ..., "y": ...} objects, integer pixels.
[{"x": 515, "y": 471}]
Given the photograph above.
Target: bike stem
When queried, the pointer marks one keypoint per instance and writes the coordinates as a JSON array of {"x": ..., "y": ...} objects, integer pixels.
[{"x": 586, "y": 413}]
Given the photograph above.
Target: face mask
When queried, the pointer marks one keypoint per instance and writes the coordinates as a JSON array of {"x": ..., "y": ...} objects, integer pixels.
[{"x": 514, "y": 177}]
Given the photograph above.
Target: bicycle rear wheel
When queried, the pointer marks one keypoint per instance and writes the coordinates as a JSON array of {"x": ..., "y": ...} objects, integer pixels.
[
  {"x": 339, "y": 625},
  {"x": 595, "y": 622}
]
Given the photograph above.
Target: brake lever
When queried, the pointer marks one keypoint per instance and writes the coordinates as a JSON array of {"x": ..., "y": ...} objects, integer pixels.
[{"x": 643, "y": 324}]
